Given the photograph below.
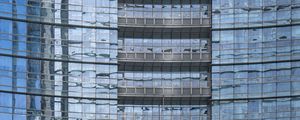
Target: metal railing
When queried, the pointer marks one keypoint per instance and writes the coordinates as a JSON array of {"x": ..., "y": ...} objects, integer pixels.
[
  {"x": 166, "y": 92},
  {"x": 164, "y": 22},
  {"x": 180, "y": 57}
]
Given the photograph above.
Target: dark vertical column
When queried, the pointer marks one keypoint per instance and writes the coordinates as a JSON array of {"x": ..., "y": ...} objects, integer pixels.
[
  {"x": 14, "y": 61},
  {"x": 47, "y": 67},
  {"x": 64, "y": 36},
  {"x": 33, "y": 66}
]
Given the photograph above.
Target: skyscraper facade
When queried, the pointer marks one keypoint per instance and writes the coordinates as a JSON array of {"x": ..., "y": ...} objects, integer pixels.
[
  {"x": 255, "y": 59},
  {"x": 58, "y": 59},
  {"x": 149, "y": 59},
  {"x": 164, "y": 57}
]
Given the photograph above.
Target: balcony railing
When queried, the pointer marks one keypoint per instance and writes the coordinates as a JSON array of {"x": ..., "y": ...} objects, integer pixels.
[
  {"x": 164, "y": 92},
  {"x": 173, "y": 57},
  {"x": 164, "y": 22}
]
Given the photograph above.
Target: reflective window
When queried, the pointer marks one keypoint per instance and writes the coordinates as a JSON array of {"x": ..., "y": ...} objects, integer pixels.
[{"x": 59, "y": 58}]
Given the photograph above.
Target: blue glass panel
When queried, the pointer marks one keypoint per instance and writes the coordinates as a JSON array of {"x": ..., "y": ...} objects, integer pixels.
[
  {"x": 5, "y": 116},
  {"x": 6, "y": 63},
  {"x": 6, "y": 8},
  {"x": 5, "y": 46}
]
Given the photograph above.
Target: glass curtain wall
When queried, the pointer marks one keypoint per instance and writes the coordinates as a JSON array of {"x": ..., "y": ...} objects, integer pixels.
[
  {"x": 164, "y": 45},
  {"x": 163, "y": 55},
  {"x": 58, "y": 59},
  {"x": 170, "y": 109},
  {"x": 255, "y": 59},
  {"x": 164, "y": 12},
  {"x": 164, "y": 80}
]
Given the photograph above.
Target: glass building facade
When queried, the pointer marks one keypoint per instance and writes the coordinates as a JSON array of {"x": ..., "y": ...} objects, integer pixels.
[
  {"x": 164, "y": 55},
  {"x": 255, "y": 59},
  {"x": 149, "y": 59},
  {"x": 58, "y": 59}
]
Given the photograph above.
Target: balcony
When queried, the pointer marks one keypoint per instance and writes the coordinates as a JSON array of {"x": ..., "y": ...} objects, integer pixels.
[
  {"x": 164, "y": 14},
  {"x": 164, "y": 92},
  {"x": 164, "y": 57},
  {"x": 164, "y": 45},
  {"x": 163, "y": 23}
]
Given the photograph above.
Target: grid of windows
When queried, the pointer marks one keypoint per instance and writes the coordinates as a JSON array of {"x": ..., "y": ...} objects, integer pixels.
[
  {"x": 255, "y": 80},
  {"x": 275, "y": 109},
  {"x": 253, "y": 13},
  {"x": 163, "y": 108},
  {"x": 164, "y": 52},
  {"x": 164, "y": 45},
  {"x": 167, "y": 112},
  {"x": 165, "y": 12},
  {"x": 46, "y": 41},
  {"x": 168, "y": 80},
  {"x": 256, "y": 45},
  {"x": 255, "y": 59},
  {"x": 31, "y": 107},
  {"x": 97, "y": 13},
  {"x": 58, "y": 59},
  {"x": 47, "y": 77}
]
